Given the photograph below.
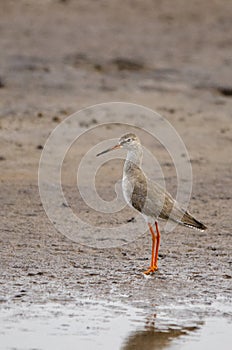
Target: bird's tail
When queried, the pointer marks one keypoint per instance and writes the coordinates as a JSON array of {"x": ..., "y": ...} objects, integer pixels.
[{"x": 189, "y": 220}]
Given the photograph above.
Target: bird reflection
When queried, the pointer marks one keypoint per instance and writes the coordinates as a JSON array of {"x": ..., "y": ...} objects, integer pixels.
[{"x": 151, "y": 338}]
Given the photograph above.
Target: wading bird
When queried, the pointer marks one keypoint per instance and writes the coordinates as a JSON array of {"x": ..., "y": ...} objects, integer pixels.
[{"x": 146, "y": 196}]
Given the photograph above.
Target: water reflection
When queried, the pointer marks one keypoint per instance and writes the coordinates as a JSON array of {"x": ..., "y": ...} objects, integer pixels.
[
  {"x": 151, "y": 338},
  {"x": 98, "y": 325}
]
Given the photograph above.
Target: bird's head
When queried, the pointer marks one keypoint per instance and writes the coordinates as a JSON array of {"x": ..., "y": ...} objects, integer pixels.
[{"x": 128, "y": 141}]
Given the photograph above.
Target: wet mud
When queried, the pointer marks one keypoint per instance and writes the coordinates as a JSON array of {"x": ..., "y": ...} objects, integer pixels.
[{"x": 57, "y": 58}]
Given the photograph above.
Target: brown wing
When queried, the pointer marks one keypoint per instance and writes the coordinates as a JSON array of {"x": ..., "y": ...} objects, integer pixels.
[
  {"x": 172, "y": 210},
  {"x": 139, "y": 194},
  {"x": 154, "y": 201}
]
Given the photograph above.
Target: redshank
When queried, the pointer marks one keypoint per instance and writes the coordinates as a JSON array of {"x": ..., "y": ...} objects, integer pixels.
[{"x": 149, "y": 198}]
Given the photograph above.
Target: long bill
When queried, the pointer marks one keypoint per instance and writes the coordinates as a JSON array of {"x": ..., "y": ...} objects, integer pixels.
[{"x": 109, "y": 149}]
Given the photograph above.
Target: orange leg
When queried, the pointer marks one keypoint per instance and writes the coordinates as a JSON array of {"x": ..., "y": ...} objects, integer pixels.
[
  {"x": 154, "y": 251},
  {"x": 157, "y": 244},
  {"x": 153, "y": 245}
]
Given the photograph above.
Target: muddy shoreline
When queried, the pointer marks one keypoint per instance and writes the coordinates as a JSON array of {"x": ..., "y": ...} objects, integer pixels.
[{"x": 61, "y": 56}]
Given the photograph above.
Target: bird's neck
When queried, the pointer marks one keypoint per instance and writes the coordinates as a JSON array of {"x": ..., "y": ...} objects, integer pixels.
[{"x": 134, "y": 157}]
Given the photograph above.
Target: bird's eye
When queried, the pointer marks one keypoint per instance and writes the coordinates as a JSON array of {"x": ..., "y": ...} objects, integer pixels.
[{"x": 128, "y": 140}]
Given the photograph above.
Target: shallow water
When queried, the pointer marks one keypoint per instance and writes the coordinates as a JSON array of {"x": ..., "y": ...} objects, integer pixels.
[{"x": 93, "y": 324}]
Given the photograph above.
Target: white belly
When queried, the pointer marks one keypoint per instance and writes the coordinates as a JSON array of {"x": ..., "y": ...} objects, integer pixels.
[{"x": 127, "y": 189}]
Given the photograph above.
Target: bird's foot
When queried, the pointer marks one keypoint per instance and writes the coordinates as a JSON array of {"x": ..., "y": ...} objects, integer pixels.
[{"x": 151, "y": 269}]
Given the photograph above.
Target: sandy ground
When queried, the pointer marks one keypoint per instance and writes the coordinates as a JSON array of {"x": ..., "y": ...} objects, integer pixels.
[{"x": 60, "y": 56}]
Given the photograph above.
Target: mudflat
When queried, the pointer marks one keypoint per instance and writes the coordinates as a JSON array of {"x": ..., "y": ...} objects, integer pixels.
[{"x": 58, "y": 57}]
